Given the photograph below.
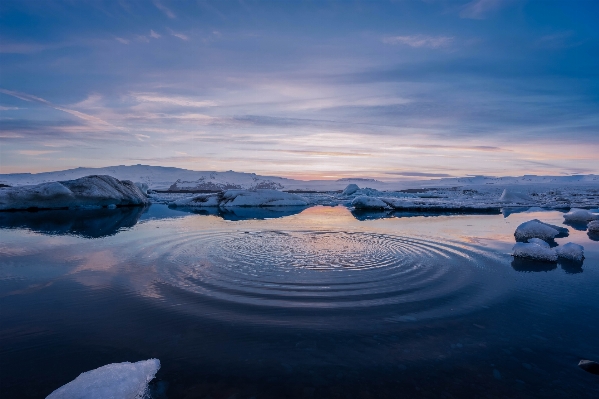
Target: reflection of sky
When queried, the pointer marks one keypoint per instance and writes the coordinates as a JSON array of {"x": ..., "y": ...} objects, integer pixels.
[{"x": 302, "y": 89}]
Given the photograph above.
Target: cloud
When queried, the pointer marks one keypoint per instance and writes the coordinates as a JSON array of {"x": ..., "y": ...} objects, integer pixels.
[
  {"x": 154, "y": 34},
  {"x": 174, "y": 100},
  {"x": 34, "y": 153},
  {"x": 179, "y": 35},
  {"x": 121, "y": 40},
  {"x": 479, "y": 9},
  {"x": 3, "y": 108},
  {"x": 420, "y": 41},
  {"x": 24, "y": 48},
  {"x": 165, "y": 10}
]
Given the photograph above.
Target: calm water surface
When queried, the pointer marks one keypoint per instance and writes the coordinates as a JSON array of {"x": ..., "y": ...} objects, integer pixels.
[{"x": 298, "y": 303}]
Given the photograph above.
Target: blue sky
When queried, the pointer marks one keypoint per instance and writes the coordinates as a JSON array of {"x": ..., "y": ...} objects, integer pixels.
[{"x": 304, "y": 89}]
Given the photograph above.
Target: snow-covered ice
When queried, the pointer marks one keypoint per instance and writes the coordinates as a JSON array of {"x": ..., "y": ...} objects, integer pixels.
[
  {"x": 537, "y": 229},
  {"x": 580, "y": 216},
  {"x": 515, "y": 197},
  {"x": 350, "y": 189},
  {"x": 593, "y": 227},
  {"x": 113, "y": 381},
  {"x": 571, "y": 251},
  {"x": 365, "y": 202},
  {"x": 86, "y": 192},
  {"x": 534, "y": 250}
]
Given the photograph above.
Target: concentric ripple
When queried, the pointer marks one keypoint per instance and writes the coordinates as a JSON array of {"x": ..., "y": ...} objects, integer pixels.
[{"x": 322, "y": 270}]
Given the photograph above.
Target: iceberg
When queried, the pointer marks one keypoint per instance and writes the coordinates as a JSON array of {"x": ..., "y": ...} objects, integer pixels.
[
  {"x": 86, "y": 192},
  {"x": 537, "y": 229},
  {"x": 117, "y": 380},
  {"x": 350, "y": 189},
  {"x": 365, "y": 202},
  {"x": 580, "y": 216},
  {"x": 571, "y": 251},
  {"x": 534, "y": 250},
  {"x": 511, "y": 196},
  {"x": 593, "y": 227}
]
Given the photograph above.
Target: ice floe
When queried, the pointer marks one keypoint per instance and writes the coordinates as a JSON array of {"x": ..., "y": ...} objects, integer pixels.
[
  {"x": 580, "y": 216},
  {"x": 86, "y": 192},
  {"x": 365, "y": 202},
  {"x": 534, "y": 250},
  {"x": 593, "y": 227},
  {"x": 537, "y": 229},
  {"x": 117, "y": 380},
  {"x": 571, "y": 251}
]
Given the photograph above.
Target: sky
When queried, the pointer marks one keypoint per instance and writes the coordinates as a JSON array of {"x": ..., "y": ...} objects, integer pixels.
[{"x": 302, "y": 89}]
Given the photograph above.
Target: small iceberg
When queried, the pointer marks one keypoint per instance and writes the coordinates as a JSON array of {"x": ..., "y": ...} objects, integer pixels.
[
  {"x": 350, "y": 189},
  {"x": 571, "y": 251},
  {"x": 365, "y": 202},
  {"x": 593, "y": 227},
  {"x": 514, "y": 197},
  {"x": 535, "y": 249},
  {"x": 580, "y": 216},
  {"x": 243, "y": 198},
  {"x": 117, "y": 380},
  {"x": 537, "y": 229}
]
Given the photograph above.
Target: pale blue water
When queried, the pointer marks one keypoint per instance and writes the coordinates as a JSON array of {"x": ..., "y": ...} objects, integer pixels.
[{"x": 295, "y": 303}]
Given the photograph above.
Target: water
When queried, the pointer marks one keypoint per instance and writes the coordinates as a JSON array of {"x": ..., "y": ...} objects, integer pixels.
[{"x": 299, "y": 303}]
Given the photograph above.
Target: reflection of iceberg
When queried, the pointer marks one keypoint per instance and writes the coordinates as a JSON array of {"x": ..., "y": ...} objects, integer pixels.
[
  {"x": 530, "y": 265},
  {"x": 88, "y": 223},
  {"x": 246, "y": 213}
]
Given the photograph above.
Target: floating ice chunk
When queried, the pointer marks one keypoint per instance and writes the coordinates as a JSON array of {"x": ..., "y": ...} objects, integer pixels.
[
  {"x": 534, "y": 251},
  {"x": 580, "y": 216},
  {"x": 117, "y": 380},
  {"x": 210, "y": 200},
  {"x": 540, "y": 242},
  {"x": 511, "y": 196},
  {"x": 86, "y": 192},
  {"x": 593, "y": 227},
  {"x": 142, "y": 186},
  {"x": 233, "y": 198},
  {"x": 571, "y": 251},
  {"x": 537, "y": 229},
  {"x": 350, "y": 189},
  {"x": 364, "y": 202}
]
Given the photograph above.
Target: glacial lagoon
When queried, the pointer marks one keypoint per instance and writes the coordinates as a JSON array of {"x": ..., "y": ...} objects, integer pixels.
[{"x": 297, "y": 302}]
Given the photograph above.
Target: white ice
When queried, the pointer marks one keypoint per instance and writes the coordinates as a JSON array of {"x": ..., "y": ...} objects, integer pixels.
[
  {"x": 350, "y": 189},
  {"x": 365, "y": 202},
  {"x": 571, "y": 251},
  {"x": 593, "y": 227},
  {"x": 113, "y": 381},
  {"x": 580, "y": 216},
  {"x": 514, "y": 197},
  {"x": 86, "y": 192},
  {"x": 537, "y": 229},
  {"x": 243, "y": 198},
  {"x": 534, "y": 250},
  {"x": 211, "y": 200}
]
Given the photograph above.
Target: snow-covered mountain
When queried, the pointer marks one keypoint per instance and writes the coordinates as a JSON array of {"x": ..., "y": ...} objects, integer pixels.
[{"x": 177, "y": 179}]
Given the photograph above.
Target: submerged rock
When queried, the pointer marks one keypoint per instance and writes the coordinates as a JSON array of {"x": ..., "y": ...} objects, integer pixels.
[
  {"x": 589, "y": 366},
  {"x": 87, "y": 192}
]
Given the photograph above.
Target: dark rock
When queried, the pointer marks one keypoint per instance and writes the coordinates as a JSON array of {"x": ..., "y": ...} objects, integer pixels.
[{"x": 589, "y": 366}]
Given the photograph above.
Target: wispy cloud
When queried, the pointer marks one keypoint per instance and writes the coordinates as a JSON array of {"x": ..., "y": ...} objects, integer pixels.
[
  {"x": 3, "y": 108},
  {"x": 172, "y": 100},
  {"x": 165, "y": 10},
  {"x": 154, "y": 34},
  {"x": 479, "y": 9},
  {"x": 420, "y": 41},
  {"x": 121, "y": 40},
  {"x": 179, "y": 35},
  {"x": 35, "y": 153}
]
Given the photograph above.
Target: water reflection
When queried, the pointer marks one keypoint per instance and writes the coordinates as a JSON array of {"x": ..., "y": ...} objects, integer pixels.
[
  {"x": 87, "y": 223},
  {"x": 246, "y": 213},
  {"x": 534, "y": 266},
  {"x": 362, "y": 214},
  {"x": 593, "y": 236}
]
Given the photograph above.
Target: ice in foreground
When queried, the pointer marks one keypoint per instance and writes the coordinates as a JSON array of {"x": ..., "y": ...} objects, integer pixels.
[
  {"x": 115, "y": 381},
  {"x": 593, "y": 227},
  {"x": 535, "y": 249},
  {"x": 86, "y": 192},
  {"x": 537, "y": 229},
  {"x": 571, "y": 251}
]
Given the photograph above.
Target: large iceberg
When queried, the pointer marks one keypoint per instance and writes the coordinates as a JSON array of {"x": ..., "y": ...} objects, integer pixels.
[
  {"x": 86, "y": 192},
  {"x": 537, "y": 229},
  {"x": 243, "y": 198},
  {"x": 580, "y": 216},
  {"x": 117, "y": 380},
  {"x": 535, "y": 249}
]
